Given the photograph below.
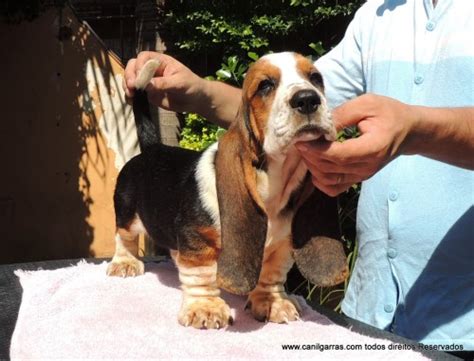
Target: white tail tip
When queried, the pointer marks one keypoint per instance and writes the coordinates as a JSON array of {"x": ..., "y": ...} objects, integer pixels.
[{"x": 146, "y": 73}]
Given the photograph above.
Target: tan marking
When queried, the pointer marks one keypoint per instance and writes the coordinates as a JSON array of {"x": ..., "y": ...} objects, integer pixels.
[
  {"x": 259, "y": 71},
  {"x": 211, "y": 235},
  {"x": 201, "y": 258},
  {"x": 207, "y": 254},
  {"x": 259, "y": 107},
  {"x": 269, "y": 301},
  {"x": 305, "y": 67}
]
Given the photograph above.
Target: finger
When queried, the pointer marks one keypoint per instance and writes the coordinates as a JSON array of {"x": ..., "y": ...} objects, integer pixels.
[
  {"x": 357, "y": 150},
  {"x": 334, "y": 179},
  {"x": 352, "y": 111},
  {"x": 330, "y": 173},
  {"x": 327, "y": 166},
  {"x": 331, "y": 191}
]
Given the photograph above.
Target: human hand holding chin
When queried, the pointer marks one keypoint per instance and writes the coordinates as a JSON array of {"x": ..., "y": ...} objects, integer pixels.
[{"x": 384, "y": 124}]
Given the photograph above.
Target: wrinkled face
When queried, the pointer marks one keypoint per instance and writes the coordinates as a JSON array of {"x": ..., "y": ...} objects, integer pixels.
[{"x": 284, "y": 94}]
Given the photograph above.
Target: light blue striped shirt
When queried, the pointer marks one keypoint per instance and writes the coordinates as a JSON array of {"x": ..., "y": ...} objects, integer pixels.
[{"x": 414, "y": 274}]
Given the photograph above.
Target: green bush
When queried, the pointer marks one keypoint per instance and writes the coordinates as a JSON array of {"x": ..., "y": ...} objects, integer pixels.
[
  {"x": 197, "y": 133},
  {"x": 217, "y": 29}
]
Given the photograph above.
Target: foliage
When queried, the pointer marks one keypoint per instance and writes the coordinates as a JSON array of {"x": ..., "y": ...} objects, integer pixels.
[
  {"x": 233, "y": 70},
  {"x": 231, "y": 27},
  {"x": 197, "y": 133}
]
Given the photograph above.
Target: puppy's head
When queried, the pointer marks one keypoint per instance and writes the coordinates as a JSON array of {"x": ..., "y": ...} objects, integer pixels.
[{"x": 283, "y": 94}]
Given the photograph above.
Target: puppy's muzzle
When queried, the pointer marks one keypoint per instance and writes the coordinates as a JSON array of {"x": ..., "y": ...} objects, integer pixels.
[{"x": 305, "y": 101}]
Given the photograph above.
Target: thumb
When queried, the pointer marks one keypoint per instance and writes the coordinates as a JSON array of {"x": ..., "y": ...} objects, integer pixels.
[{"x": 350, "y": 113}]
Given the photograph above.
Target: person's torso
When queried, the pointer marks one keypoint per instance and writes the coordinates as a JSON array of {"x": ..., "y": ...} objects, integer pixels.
[{"x": 416, "y": 216}]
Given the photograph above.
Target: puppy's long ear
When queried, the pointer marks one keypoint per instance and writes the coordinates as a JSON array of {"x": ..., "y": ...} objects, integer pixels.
[
  {"x": 318, "y": 250},
  {"x": 243, "y": 220}
]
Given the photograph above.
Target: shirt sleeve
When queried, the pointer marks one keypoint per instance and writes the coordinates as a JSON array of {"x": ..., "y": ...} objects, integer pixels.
[{"x": 342, "y": 67}]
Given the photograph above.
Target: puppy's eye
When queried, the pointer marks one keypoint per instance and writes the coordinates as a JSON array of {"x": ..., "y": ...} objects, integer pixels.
[
  {"x": 265, "y": 86},
  {"x": 316, "y": 79}
]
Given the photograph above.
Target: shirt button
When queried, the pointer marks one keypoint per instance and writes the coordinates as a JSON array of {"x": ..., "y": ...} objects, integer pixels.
[
  {"x": 393, "y": 196},
  {"x": 430, "y": 26},
  {"x": 392, "y": 253},
  {"x": 419, "y": 79},
  {"x": 388, "y": 308}
]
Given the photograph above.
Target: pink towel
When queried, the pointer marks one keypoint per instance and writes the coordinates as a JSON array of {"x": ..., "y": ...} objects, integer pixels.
[{"x": 79, "y": 312}]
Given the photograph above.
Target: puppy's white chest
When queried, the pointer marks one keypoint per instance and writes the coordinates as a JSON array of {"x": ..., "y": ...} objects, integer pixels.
[
  {"x": 278, "y": 224},
  {"x": 275, "y": 187}
]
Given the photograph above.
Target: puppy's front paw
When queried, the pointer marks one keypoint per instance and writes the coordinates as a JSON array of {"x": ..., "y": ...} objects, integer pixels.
[
  {"x": 206, "y": 312},
  {"x": 125, "y": 267},
  {"x": 273, "y": 307}
]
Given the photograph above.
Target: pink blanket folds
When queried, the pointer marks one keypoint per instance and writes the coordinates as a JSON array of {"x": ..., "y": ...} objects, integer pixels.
[{"x": 79, "y": 312}]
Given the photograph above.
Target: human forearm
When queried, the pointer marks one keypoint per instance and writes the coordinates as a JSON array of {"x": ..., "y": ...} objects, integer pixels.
[
  {"x": 445, "y": 134},
  {"x": 220, "y": 102}
]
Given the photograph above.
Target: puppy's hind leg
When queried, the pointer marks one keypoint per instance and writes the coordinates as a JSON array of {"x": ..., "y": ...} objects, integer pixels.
[{"x": 125, "y": 262}]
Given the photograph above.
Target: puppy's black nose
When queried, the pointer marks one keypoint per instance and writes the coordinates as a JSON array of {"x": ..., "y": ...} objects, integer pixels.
[{"x": 305, "y": 101}]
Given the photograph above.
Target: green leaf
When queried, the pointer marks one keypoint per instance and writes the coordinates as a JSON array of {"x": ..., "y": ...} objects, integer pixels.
[
  {"x": 220, "y": 132},
  {"x": 224, "y": 74},
  {"x": 253, "y": 55},
  {"x": 318, "y": 48}
]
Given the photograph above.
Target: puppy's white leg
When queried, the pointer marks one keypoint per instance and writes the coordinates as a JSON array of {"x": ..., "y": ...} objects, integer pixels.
[
  {"x": 269, "y": 301},
  {"x": 125, "y": 262},
  {"x": 201, "y": 307}
]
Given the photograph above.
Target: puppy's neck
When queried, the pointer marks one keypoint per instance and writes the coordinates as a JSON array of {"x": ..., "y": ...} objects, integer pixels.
[{"x": 284, "y": 175}]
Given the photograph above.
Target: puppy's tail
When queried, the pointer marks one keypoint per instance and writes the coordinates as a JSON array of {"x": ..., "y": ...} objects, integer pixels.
[{"x": 147, "y": 130}]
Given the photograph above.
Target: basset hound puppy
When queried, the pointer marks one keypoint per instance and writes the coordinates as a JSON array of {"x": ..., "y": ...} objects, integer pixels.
[{"x": 238, "y": 215}]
